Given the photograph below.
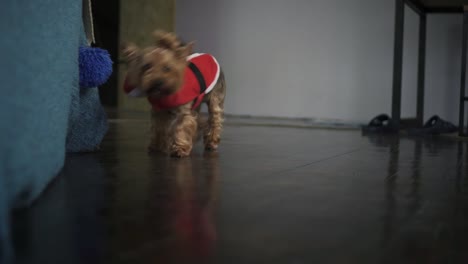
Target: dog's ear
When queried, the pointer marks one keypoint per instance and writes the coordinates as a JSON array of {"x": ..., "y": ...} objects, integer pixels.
[
  {"x": 184, "y": 51},
  {"x": 130, "y": 51},
  {"x": 166, "y": 40}
]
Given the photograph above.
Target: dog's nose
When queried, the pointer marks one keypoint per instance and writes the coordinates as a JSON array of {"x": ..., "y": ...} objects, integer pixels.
[
  {"x": 158, "y": 83},
  {"x": 156, "y": 86}
]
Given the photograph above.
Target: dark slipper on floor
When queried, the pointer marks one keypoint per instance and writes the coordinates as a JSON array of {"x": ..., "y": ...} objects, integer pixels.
[
  {"x": 380, "y": 124},
  {"x": 434, "y": 126}
]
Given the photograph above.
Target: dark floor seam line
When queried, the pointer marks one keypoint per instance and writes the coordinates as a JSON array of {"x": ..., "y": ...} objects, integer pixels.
[
  {"x": 318, "y": 161},
  {"x": 329, "y": 158},
  {"x": 321, "y": 127}
]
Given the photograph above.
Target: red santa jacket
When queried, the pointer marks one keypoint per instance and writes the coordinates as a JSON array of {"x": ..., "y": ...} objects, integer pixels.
[{"x": 201, "y": 76}]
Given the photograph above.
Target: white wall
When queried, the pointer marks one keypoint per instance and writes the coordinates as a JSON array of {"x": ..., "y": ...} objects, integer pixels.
[
  {"x": 443, "y": 66},
  {"x": 328, "y": 59}
]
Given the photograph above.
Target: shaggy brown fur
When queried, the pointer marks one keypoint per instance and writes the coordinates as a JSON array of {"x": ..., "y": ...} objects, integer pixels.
[{"x": 159, "y": 71}]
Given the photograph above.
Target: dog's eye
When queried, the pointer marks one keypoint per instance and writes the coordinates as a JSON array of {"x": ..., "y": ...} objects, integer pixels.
[
  {"x": 147, "y": 66},
  {"x": 166, "y": 68}
]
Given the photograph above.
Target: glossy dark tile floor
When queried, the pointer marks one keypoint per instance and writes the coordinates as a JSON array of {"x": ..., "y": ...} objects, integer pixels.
[{"x": 271, "y": 195}]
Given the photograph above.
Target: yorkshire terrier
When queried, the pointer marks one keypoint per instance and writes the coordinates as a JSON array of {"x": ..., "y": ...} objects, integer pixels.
[{"x": 176, "y": 82}]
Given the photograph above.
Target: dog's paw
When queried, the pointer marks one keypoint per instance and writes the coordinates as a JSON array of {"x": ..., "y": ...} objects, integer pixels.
[
  {"x": 211, "y": 147},
  {"x": 181, "y": 152}
]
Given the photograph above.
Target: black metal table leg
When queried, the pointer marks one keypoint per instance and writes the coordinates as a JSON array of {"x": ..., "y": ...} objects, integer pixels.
[
  {"x": 398, "y": 61},
  {"x": 421, "y": 68},
  {"x": 461, "y": 123}
]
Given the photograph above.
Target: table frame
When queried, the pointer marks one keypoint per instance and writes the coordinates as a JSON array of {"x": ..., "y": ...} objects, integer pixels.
[{"x": 423, "y": 12}]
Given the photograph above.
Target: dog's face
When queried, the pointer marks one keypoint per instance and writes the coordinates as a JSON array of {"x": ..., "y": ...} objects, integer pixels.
[{"x": 158, "y": 70}]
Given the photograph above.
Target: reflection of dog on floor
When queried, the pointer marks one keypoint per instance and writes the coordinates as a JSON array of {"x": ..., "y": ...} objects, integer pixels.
[
  {"x": 195, "y": 200},
  {"x": 183, "y": 200},
  {"x": 176, "y": 82}
]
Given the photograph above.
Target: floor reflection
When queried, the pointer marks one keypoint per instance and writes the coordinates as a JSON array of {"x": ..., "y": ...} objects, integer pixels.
[
  {"x": 271, "y": 195},
  {"x": 175, "y": 221},
  {"x": 407, "y": 236}
]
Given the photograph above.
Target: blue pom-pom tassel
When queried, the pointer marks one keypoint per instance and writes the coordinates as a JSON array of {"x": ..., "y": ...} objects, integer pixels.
[{"x": 95, "y": 66}]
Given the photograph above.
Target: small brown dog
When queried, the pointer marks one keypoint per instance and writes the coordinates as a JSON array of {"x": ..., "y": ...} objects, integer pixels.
[{"x": 176, "y": 82}]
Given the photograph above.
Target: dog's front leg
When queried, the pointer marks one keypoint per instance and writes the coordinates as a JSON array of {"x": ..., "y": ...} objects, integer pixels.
[{"x": 184, "y": 131}]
